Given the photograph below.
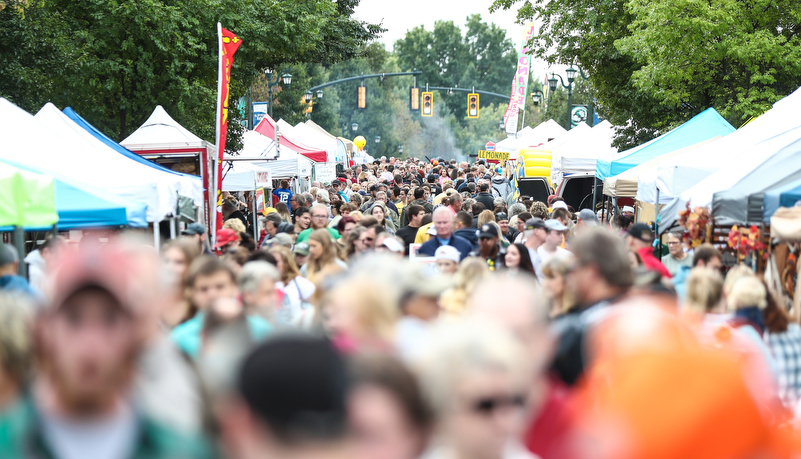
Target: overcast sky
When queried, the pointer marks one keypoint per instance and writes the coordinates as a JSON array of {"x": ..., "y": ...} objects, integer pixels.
[{"x": 400, "y": 16}]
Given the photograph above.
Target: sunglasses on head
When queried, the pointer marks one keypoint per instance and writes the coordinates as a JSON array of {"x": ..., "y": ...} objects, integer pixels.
[{"x": 488, "y": 405}]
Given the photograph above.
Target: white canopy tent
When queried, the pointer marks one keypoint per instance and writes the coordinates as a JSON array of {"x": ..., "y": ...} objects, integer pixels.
[
  {"x": 735, "y": 169},
  {"x": 677, "y": 175},
  {"x": 288, "y": 165},
  {"x": 579, "y": 154},
  {"x": 160, "y": 131},
  {"x": 170, "y": 185},
  {"x": 544, "y": 132},
  {"x": 241, "y": 176},
  {"x": 26, "y": 141}
]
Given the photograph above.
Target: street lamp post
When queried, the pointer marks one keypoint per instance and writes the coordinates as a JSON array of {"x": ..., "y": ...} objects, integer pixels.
[
  {"x": 552, "y": 84},
  {"x": 536, "y": 97},
  {"x": 284, "y": 77}
]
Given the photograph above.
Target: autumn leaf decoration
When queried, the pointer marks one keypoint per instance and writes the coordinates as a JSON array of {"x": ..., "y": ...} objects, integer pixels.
[
  {"x": 744, "y": 241},
  {"x": 696, "y": 222}
]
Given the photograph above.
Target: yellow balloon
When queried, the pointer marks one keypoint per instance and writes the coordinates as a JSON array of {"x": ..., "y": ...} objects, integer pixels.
[{"x": 360, "y": 142}]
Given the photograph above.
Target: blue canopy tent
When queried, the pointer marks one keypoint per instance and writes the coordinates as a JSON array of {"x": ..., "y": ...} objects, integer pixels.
[
  {"x": 80, "y": 206},
  {"x": 784, "y": 196},
  {"x": 701, "y": 127}
]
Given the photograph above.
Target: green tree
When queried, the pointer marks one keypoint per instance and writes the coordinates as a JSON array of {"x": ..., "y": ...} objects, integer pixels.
[{"x": 114, "y": 61}]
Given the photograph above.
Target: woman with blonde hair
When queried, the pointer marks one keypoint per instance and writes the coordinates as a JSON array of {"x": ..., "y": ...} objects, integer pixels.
[
  {"x": 471, "y": 271},
  {"x": 283, "y": 211},
  {"x": 322, "y": 256},
  {"x": 297, "y": 289},
  {"x": 554, "y": 272},
  {"x": 360, "y": 322},
  {"x": 477, "y": 380},
  {"x": 704, "y": 292},
  {"x": 235, "y": 224},
  {"x": 486, "y": 216}
]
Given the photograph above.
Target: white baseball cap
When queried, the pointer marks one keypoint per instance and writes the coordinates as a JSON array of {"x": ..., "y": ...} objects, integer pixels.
[
  {"x": 447, "y": 252},
  {"x": 560, "y": 205},
  {"x": 393, "y": 245}
]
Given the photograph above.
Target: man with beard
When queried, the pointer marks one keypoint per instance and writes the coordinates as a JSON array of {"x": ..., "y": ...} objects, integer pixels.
[{"x": 88, "y": 340}]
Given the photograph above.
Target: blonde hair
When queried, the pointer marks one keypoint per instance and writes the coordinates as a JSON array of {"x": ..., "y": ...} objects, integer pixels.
[
  {"x": 470, "y": 273},
  {"x": 374, "y": 311},
  {"x": 16, "y": 337},
  {"x": 485, "y": 216},
  {"x": 236, "y": 225},
  {"x": 704, "y": 290},
  {"x": 748, "y": 291},
  {"x": 456, "y": 349},
  {"x": 328, "y": 256},
  {"x": 291, "y": 270}
]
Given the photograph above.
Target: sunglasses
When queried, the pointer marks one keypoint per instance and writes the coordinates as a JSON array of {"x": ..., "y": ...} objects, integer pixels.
[
  {"x": 488, "y": 405},
  {"x": 367, "y": 239}
]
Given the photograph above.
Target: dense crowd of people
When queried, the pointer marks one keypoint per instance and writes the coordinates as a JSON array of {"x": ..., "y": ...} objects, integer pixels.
[{"x": 405, "y": 310}]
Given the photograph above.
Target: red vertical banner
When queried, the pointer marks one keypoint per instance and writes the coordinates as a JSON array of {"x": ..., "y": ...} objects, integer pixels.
[{"x": 228, "y": 44}]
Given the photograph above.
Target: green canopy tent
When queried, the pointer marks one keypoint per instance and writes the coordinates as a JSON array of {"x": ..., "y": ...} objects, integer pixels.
[{"x": 27, "y": 200}]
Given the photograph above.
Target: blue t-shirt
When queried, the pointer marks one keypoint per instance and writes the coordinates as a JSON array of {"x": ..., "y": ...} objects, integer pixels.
[{"x": 283, "y": 194}]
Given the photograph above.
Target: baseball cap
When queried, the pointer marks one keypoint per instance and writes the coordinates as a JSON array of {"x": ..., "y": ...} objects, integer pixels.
[
  {"x": 108, "y": 267},
  {"x": 588, "y": 216},
  {"x": 225, "y": 236},
  {"x": 393, "y": 245},
  {"x": 431, "y": 231},
  {"x": 501, "y": 216},
  {"x": 488, "y": 230},
  {"x": 560, "y": 205},
  {"x": 193, "y": 229},
  {"x": 447, "y": 252},
  {"x": 297, "y": 384},
  {"x": 627, "y": 209},
  {"x": 373, "y": 188},
  {"x": 642, "y": 232},
  {"x": 302, "y": 248},
  {"x": 534, "y": 223},
  {"x": 554, "y": 225},
  {"x": 487, "y": 177},
  {"x": 282, "y": 239}
]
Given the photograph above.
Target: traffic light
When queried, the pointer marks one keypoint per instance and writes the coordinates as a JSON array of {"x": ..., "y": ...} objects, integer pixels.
[
  {"x": 472, "y": 106},
  {"x": 414, "y": 99},
  {"x": 428, "y": 104},
  {"x": 361, "y": 102}
]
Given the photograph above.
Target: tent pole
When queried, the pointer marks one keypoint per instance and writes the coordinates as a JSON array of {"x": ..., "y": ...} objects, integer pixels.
[
  {"x": 594, "y": 192},
  {"x": 157, "y": 236},
  {"x": 19, "y": 243},
  {"x": 173, "y": 222},
  {"x": 254, "y": 216}
]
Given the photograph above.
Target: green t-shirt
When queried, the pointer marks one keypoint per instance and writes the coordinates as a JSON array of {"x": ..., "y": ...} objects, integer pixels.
[
  {"x": 673, "y": 264},
  {"x": 304, "y": 235}
]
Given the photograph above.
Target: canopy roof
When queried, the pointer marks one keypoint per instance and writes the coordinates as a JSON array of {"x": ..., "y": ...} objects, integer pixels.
[
  {"x": 319, "y": 138},
  {"x": 190, "y": 185},
  {"x": 244, "y": 176},
  {"x": 679, "y": 174},
  {"x": 742, "y": 203},
  {"x": 581, "y": 150},
  {"x": 161, "y": 132},
  {"x": 266, "y": 127},
  {"x": 289, "y": 164},
  {"x": 91, "y": 161},
  {"x": 702, "y": 126},
  {"x": 533, "y": 137},
  {"x": 81, "y": 206},
  {"x": 788, "y": 195},
  {"x": 27, "y": 199},
  {"x": 626, "y": 183},
  {"x": 729, "y": 159}
]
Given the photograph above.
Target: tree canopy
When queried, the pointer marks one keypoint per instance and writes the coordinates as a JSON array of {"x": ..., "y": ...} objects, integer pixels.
[{"x": 654, "y": 64}]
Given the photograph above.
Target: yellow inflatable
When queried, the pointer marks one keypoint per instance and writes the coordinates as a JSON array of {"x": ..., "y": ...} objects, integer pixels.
[
  {"x": 534, "y": 162},
  {"x": 360, "y": 142}
]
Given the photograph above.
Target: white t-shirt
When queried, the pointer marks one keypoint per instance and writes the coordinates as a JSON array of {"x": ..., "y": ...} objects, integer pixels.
[
  {"x": 544, "y": 255},
  {"x": 296, "y": 292},
  {"x": 111, "y": 437}
]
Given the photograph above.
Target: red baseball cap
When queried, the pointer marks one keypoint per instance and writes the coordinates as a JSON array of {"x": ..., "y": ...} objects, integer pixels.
[{"x": 225, "y": 236}]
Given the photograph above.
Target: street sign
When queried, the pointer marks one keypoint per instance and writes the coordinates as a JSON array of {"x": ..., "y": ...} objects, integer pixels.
[
  {"x": 578, "y": 114},
  {"x": 490, "y": 146},
  {"x": 259, "y": 110},
  {"x": 493, "y": 155}
]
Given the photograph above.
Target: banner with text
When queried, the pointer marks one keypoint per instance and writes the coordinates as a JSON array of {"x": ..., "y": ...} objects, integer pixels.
[
  {"x": 517, "y": 99},
  {"x": 493, "y": 155}
]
